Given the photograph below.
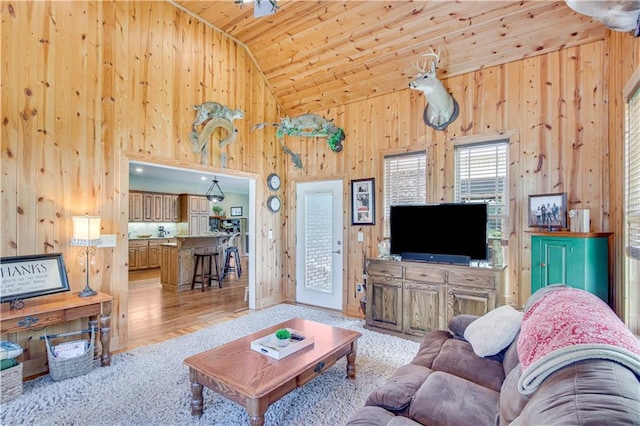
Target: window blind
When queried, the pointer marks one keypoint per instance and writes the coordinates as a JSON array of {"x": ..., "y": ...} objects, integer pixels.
[
  {"x": 632, "y": 191},
  {"x": 405, "y": 181},
  {"x": 481, "y": 176}
]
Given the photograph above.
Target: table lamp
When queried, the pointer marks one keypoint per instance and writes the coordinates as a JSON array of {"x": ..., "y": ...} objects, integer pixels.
[{"x": 86, "y": 233}]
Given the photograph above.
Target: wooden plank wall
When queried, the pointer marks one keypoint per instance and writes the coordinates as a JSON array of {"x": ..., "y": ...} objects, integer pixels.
[
  {"x": 87, "y": 86},
  {"x": 624, "y": 60},
  {"x": 556, "y": 107}
]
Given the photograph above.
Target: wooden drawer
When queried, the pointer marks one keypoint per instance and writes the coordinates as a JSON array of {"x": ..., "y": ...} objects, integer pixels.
[
  {"x": 41, "y": 320},
  {"x": 316, "y": 370},
  {"x": 138, "y": 243},
  {"x": 385, "y": 269},
  {"x": 430, "y": 274},
  {"x": 476, "y": 278}
]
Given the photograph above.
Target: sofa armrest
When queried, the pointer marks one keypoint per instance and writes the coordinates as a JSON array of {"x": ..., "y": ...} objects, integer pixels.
[{"x": 459, "y": 324}]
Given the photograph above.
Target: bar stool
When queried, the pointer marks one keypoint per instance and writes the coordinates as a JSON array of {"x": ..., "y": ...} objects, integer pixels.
[
  {"x": 206, "y": 275},
  {"x": 229, "y": 253}
]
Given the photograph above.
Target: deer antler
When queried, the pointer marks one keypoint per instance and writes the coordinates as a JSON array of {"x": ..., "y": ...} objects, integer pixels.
[{"x": 422, "y": 68}]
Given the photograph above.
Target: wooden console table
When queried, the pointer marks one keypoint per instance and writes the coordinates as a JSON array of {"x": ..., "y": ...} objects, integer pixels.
[{"x": 41, "y": 312}]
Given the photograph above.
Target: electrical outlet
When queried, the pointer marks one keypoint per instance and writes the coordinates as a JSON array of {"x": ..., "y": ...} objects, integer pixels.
[{"x": 360, "y": 287}]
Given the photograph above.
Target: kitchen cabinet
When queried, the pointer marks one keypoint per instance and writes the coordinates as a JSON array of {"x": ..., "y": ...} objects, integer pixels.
[
  {"x": 147, "y": 207},
  {"x": 170, "y": 210},
  {"x": 146, "y": 253},
  {"x": 413, "y": 298},
  {"x": 195, "y": 210},
  {"x": 153, "y": 207},
  {"x": 580, "y": 260},
  {"x": 135, "y": 207},
  {"x": 157, "y": 210}
]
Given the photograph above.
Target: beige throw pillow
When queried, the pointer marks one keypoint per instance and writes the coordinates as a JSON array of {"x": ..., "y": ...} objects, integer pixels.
[{"x": 493, "y": 331}]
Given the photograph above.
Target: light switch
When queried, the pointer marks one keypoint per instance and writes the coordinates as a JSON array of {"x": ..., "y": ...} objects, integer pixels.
[
  {"x": 107, "y": 240},
  {"x": 360, "y": 236},
  {"x": 271, "y": 234}
]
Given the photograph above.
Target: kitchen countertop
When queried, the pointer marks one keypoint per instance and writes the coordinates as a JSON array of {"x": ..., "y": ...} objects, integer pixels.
[{"x": 153, "y": 238}]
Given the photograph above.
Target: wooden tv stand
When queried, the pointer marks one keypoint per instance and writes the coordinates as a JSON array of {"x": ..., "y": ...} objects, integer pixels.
[{"x": 413, "y": 298}]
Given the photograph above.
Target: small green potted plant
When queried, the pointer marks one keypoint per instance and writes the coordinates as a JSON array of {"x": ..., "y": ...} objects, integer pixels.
[
  {"x": 217, "y": 210},
  {"x": 283, "y": 335}
]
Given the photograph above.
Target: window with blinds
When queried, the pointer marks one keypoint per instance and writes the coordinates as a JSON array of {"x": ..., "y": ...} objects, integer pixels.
[
  {"x": 632, "y": 178},
  {"x": 481, "y": 176},
  {"x": 405, "y": 181}
]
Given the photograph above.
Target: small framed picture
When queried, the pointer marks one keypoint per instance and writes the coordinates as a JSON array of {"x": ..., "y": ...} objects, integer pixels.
[
  {"x": 548, "y": 211},
  {"x": 236, "y": 211},
  {"x": 363, "y": 202}
]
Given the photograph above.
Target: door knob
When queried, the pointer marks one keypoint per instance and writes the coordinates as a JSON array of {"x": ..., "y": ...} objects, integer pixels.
[{"x": 337, "y": 251}]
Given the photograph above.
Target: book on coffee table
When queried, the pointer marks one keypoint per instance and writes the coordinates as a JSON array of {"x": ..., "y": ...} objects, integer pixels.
[{"x": 268, "y": 345}]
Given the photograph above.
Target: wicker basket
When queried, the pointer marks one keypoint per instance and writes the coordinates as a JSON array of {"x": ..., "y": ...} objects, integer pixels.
[
  {"x": 11, "y": 383},
  {"x": 66, "y": 368}
]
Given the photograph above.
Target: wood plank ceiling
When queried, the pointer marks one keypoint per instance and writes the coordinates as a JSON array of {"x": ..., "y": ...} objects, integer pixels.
[{"x": 320, "y": 54}]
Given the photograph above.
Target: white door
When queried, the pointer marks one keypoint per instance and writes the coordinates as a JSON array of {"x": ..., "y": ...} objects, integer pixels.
[{"x": 319, "y": 245}]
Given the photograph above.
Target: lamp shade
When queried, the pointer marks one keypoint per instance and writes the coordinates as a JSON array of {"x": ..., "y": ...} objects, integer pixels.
[{"x": 86, "y": 231}]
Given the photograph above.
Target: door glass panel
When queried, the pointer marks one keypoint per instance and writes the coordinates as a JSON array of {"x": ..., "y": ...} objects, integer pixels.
[{"x": 318, "y": 242}]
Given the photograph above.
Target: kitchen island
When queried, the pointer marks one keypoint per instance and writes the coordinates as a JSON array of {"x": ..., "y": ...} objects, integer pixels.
[{"x": 176, "y": 267}]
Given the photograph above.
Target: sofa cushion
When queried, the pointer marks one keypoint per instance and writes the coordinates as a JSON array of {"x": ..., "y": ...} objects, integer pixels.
[
  {"x": 493, "y": 331},
  {"x": 430, "y": 347},
  {"x": 511, "y": 400},
  {"x": 457, "y": 358},
  {"x": 510, "y": 359},
  {"x": 445, "y": 399},
  {"x": 592, "y": 392},
  {"x": 372, "y": 416},
  {"x": 395, "y": 395}
]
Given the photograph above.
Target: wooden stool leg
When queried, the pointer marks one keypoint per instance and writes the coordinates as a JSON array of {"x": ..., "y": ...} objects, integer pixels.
[{"x": 195, "y": 272}]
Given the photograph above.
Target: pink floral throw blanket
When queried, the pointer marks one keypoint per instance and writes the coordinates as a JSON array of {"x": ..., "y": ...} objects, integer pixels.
[{"x": 569, "y": 325}]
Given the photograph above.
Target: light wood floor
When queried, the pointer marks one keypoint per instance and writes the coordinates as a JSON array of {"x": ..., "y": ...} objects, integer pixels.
[{"x": 156, "y": 314}]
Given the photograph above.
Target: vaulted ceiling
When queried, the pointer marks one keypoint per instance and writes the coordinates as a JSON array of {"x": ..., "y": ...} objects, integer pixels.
[{"x": 320, "y": 54}]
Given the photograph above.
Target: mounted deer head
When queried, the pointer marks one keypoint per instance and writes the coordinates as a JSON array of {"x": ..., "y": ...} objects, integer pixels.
[
  {"x": 617, "y": 15},
  {"x": 441, "y": 109}
]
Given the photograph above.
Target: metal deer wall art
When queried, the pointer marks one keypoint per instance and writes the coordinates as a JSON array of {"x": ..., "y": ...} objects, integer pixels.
[
  {"x": 214, "y": 115},
  {"x": 441, "y": 109}
]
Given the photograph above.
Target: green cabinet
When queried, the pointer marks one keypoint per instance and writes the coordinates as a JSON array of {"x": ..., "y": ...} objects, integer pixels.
[{"x": 580, "y": 260}]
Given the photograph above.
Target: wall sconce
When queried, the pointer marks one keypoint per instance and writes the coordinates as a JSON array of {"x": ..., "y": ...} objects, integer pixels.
[
  {"x": 211, "y": 195},
  {"x": 86, "y": 233}
]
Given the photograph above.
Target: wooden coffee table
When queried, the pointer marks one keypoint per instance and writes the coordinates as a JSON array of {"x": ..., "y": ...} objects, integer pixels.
[{"x": 255, "y": 380}]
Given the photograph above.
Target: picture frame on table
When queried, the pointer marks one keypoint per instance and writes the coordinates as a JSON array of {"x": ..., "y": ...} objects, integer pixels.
[
  {"x": 24, "y": 277},
  {"x": 235, "y": 211},
  {"x": 363, "y": 202},
  {"x": 548, "y": 211}
]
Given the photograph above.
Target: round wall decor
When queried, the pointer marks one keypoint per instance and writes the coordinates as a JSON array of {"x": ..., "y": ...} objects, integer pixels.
[
  {"x": 274, "y": 182},
  {"x": 274, "y": 204}
]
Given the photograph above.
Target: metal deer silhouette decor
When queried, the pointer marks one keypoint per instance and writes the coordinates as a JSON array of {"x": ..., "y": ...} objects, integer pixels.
[
  {"x": 441, "y": 109},
  {"x": 214, "y": 115}
]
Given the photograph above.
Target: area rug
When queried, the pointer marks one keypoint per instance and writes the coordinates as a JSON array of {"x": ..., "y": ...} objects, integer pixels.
[{"x": 150, "y": 385}]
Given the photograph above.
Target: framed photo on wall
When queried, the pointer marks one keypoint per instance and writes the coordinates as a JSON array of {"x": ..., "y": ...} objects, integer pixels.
[
  {"x": 363, "y": 202},
  {"x": 235, "y": 211},
  {"x": 548, "y": 211}
]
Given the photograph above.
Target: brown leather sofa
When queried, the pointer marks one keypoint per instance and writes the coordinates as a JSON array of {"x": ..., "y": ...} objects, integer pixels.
[{"x": 448, "y": 384}]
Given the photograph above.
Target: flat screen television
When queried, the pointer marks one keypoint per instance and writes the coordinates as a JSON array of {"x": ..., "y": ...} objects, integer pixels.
[{"x": 439, "y": 232}]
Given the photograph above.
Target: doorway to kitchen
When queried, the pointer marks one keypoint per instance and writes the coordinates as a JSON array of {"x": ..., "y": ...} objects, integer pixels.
[{"x": 156, "y": 313}]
